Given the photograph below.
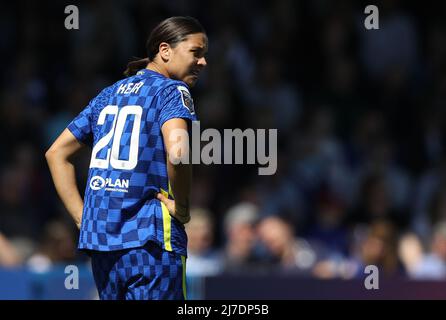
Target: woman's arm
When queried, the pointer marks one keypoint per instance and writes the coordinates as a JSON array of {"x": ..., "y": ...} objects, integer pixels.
[
  {"x": 179, "y": 172},
  {"x": 63, "y": 172}
]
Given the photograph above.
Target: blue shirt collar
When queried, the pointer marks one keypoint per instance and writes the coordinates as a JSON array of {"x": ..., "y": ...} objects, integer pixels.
[{"x": 147, "y": 72}]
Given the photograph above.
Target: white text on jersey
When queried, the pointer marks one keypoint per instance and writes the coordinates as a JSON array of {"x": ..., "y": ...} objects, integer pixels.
[{"x": 127, "y": 88}]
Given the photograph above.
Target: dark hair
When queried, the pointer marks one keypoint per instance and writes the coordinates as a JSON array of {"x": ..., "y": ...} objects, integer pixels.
[{"x": 172, "y": 31}]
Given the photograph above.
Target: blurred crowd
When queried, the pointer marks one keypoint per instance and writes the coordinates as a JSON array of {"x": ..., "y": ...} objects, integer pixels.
[{"x": 360, "y": 114}]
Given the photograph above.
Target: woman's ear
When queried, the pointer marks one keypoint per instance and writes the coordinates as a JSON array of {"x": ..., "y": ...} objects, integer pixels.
[{"x": 164, "y": 51}]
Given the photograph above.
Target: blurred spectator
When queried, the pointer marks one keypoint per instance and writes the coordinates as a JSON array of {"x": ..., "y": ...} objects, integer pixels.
[
  {"x": 428, "y": 140},
  {"x": 101, "y": 34},
  {"x": 374, "y": 203},
  {"x": 372, "y": 244},
  {"x": 328, "y": 229},
  {"x": 381, "y": 160},
  {"x": 437, "y": 208},
  {"x": 433, "y": 264},
  {"x": 239, "y": 228},
  {"x": 410, "y": 252},
  {"x": 394, "y": 46},
  {"x": 427, "y": 203},
  {"x": 16, "y": 217},
  {"x": 272, "y": 102},
  {"x": 291, "y": 254},
  {"x": 217, "y": 100},
  {"x": 238, "y": 58},
  {"x": 378, "y": 246},
  {"x": 57, "y": 246},
  {"x": 9, "y": 257},
  {"x": 202, "y": 259},
  {"x": 319, "y": 159},
  {"x": 281, "y": 193}
]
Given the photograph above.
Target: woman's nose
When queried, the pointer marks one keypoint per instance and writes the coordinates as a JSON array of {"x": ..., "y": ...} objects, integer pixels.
[{"x": 202, "y": 62}]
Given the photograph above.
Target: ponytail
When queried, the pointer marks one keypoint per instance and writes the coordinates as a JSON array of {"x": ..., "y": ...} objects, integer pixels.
[{"x": 134, "y": 66}]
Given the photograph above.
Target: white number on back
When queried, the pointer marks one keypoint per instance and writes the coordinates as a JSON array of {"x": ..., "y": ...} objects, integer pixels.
[{"x": 116, "y": 131}]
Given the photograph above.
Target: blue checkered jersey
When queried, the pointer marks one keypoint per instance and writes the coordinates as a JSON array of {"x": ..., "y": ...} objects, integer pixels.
[{"x": 128, "y": 163}]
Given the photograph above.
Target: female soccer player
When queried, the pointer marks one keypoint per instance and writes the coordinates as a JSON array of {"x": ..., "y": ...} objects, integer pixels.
[{"x": 137, "y": 194}]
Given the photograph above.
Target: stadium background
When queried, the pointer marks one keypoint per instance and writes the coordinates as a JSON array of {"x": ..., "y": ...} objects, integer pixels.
[{"x": 360, "y": 113}]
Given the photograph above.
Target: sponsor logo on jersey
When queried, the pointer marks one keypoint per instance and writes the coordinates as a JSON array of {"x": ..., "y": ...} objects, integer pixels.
[
  {"x": 97, "y": 183},
  {"x": 117, "y": 185}
]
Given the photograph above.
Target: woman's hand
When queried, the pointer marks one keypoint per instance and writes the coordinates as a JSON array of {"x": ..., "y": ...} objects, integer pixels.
[{"x": 180, "y": 212}]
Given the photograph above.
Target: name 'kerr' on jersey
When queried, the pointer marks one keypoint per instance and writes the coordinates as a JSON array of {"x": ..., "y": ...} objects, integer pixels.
[{"x": 128, "y": 163}]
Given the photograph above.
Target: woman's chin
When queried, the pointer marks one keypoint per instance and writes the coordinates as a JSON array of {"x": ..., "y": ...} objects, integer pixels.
[{"x": 191, "y": 80}]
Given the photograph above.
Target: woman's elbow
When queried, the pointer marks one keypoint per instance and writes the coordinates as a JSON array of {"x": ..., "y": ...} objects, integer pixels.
[{"x": 51, "y": 153}]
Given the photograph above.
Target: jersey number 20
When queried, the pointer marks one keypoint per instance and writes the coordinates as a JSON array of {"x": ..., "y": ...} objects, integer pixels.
[{"x": 115, "y": 133}]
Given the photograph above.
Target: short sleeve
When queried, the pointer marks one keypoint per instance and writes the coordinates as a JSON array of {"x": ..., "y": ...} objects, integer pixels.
[
  {"x": 81, "y": 126},
  {"x": 176, "y": 102}
]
